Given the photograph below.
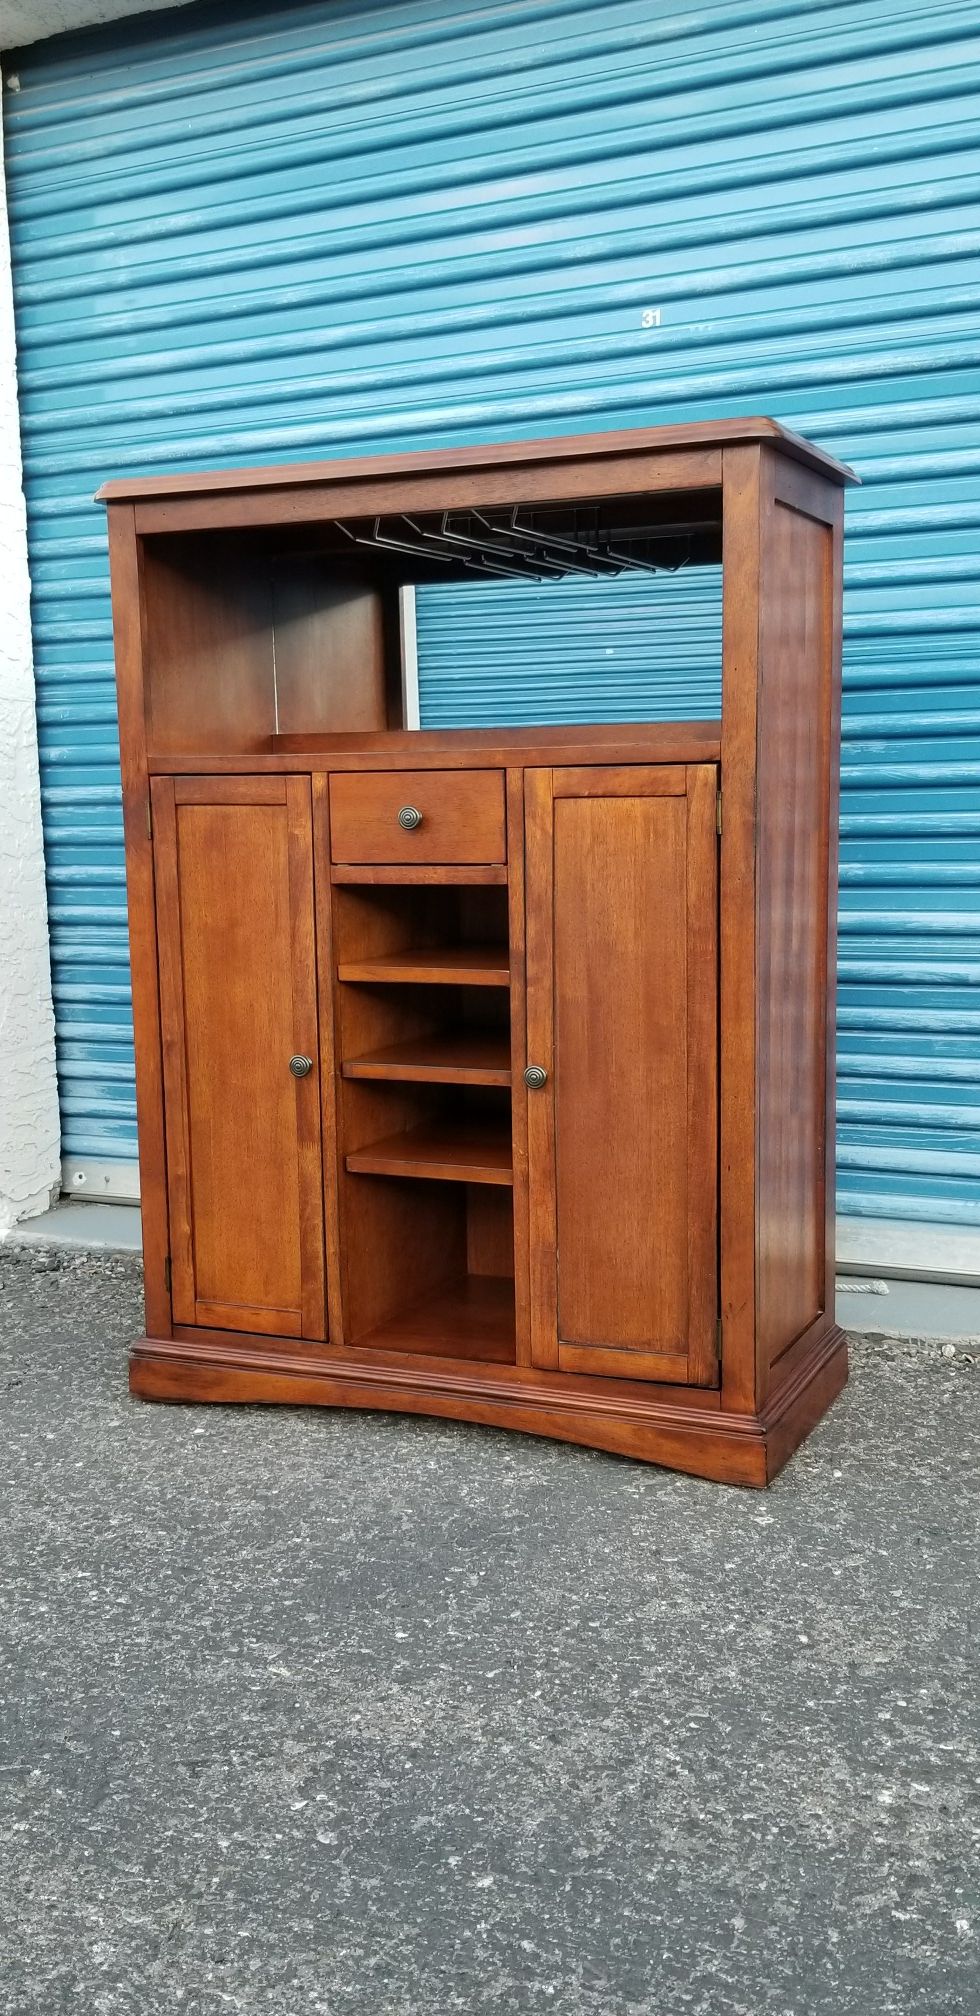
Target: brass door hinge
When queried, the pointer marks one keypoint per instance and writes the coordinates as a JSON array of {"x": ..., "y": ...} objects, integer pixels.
[
  {"x": 718, "y": 1336},
  {"x": 167, "y": 1274},
  {"x": 718, "y": 813},
  {"x": 149, "y": 820}
]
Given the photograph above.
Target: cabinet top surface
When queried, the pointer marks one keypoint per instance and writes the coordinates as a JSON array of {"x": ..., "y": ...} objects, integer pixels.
[{"x": 559, "y": 449}]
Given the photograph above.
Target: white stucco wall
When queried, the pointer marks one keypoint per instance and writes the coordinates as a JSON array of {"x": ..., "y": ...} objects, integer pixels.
[
  {"x": 30, "y": 1142},
  {"x": 30, "y": 1139},
  {"x": 23, "y": 21}
]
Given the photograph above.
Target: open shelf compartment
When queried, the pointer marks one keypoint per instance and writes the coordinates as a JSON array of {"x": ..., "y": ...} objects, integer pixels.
[
  {"x": 433, "y": 1269},
  {"x": 471, "y": 1317},
  {"x": 422, "y": 1008}
]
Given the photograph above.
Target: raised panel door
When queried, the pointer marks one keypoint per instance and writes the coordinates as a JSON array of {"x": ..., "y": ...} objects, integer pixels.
[
  {"x": 622, "y": 1015},
  {"x": 233, "y": 861}
]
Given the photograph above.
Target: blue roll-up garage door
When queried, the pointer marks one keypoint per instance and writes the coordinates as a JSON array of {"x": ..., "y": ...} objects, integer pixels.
[{"x": 256, "y": 233}]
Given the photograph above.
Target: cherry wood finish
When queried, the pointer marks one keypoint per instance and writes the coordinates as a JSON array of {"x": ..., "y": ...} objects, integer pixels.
[
  {"x": 207, "y": 646},
  {"x": 591, "y": 449},
  {"x": 780, "y": 805},
  {"x": 473, "y": 1318},
  {"x": 132, "y": 703},
  {"x": 439, "y": 875},
  {"x": 329, "y": 1115},
  {"x": 795, "y": 729},
  {"x": 517, "y": 1010},
  {"x": 668, "y": 1425},
  {"x": 637, "y": 1256},
  {"x": 446, "y": 1153},
  {"x": 330, "y": 651},
  {"x": 456, "y": 1057},
  {"x": 435, "y": 965},
  {"x": 447, "y": 749},
  {"x": 238, "y": 998},
  {"x": 413, "y": 1158},
  {"x": 622, "y": 911},
  {"x": 461, "y": 815},
  {"x": 422, "y": 491}
]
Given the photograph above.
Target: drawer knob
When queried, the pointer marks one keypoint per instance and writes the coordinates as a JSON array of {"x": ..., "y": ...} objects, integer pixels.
[
  {"x": 301, "y": 1066},
  {"x": 535, "y": 1077},
  {"x": 410, "y": 818}
]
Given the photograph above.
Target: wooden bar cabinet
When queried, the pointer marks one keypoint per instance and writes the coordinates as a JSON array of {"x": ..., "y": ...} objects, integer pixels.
[{"x": 485, "y": 1074}]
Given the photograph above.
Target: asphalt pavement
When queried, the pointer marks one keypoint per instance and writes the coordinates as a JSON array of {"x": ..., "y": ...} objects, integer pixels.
[{"x": 361, "y": 1715}]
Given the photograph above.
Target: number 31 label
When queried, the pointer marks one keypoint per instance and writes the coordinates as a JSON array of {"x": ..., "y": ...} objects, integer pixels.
[{"x": 650, "y": 318}]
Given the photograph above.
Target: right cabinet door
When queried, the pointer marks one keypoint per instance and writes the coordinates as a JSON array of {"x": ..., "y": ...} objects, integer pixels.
[{"x": 622, "y": 964}]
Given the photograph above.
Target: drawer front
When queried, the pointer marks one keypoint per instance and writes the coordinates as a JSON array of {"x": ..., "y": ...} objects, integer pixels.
[{"x": 429, "y": 816}]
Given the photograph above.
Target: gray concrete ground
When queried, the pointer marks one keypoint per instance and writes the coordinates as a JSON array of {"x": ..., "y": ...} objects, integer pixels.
[
  {"x": 310, "y": 1712},
  {"x": 875, "y": 1298}
]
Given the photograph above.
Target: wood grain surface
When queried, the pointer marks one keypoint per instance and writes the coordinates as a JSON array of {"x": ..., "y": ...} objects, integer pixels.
[{"x": 238, "y": 996}]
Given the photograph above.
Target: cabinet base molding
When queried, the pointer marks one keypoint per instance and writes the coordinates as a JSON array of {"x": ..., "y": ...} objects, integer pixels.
[{"x": 694, "y": 1434}]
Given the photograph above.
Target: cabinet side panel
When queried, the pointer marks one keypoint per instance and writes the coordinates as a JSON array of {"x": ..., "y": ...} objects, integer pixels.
[
  {"x": 127, "y": 626},
  {"x": 737, "y": 1061},
  {"x": 797, "y": 711}
]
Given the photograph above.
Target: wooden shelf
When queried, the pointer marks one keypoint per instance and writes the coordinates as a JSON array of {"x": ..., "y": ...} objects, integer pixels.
[
  {"x": 452, "y": 966},
  {"x": 466, "y": 1057},
  {"x": 471, "y": 1318},
  {"x": 447, "y": 1154},
  {"x": 429, "y": 876}
]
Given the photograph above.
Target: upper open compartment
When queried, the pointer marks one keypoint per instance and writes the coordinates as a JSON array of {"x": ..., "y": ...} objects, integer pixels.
[
  {"x": 266, "y": 633},
  {"x": 272, "y": 608}
]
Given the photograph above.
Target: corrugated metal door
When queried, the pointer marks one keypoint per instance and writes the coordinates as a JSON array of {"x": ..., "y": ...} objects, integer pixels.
[
  {"x": 249, "y": 234},
  {"x": 638, "y": 647}
]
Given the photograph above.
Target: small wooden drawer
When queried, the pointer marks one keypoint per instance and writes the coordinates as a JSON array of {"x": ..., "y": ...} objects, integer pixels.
[{"x": 428, "y": 816}]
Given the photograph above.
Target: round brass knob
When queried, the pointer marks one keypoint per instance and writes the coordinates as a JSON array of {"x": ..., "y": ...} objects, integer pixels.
[
  {"x": 301, "y": 1066},
  {"x": 410, "y": 818},
  {"x": 535, "y": 1076}
]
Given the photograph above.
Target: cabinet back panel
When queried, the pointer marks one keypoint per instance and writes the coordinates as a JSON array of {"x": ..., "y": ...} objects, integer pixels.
[
  {"x": 489, "y": 1230},
  {"x": 330, "y": 652}
]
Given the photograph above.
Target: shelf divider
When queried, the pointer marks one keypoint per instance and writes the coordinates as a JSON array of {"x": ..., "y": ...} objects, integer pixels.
[
  {"x": 435, "y": 965},
  {"x": 456, "y": 1057},
  {"x": 441, "y": 1153}
]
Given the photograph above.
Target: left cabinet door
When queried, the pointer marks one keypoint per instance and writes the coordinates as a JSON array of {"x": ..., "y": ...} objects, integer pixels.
[{"x": 233, "y": 863}]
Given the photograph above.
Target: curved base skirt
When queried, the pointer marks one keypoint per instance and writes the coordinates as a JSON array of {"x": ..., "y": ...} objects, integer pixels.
[{"x": 689, "y": 1430}]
